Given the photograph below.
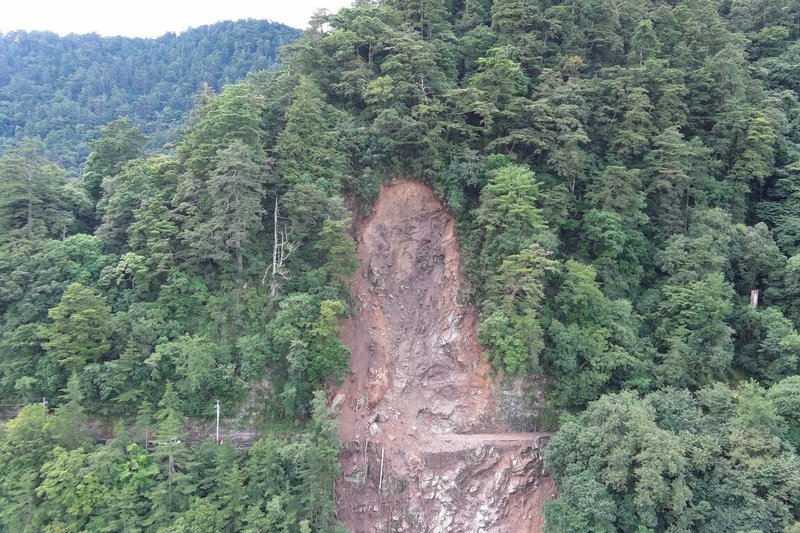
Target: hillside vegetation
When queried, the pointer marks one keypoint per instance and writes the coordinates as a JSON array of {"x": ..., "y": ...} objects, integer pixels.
[
  {"x": 625, "y": 177},
  {"x": 61, "y": 89}
]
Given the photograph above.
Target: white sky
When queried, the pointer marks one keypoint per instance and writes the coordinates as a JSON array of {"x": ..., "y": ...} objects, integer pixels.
[{"x": 150, "y": 18}]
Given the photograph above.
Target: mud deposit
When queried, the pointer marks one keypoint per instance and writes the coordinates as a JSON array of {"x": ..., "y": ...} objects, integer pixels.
[{"x": 423, "y": 446}]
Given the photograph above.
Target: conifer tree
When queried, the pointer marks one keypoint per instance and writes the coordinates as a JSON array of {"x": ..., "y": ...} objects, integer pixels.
[
  {"x": 174, "y": 486},
  {"x": 237, "y": 189}
]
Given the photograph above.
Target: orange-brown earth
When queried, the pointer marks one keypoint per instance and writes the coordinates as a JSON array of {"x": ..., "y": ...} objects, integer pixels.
[{"x": 424, "y": 448}]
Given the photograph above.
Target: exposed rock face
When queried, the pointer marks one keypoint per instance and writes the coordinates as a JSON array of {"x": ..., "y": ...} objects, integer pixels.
[{"x": 419, "y": 387}]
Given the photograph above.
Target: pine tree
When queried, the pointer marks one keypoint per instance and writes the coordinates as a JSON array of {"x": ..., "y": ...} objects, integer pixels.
[
  {"x": 318, "y": 465},
  {"x": 174, "y": 486},
  {"x": 70, "y": 419},
  {"x": 145, "y": 424},
  {"x": 673, "y": 180},
  {"x": 237, "y": 189},
  {"x": 229, "y": 493}
]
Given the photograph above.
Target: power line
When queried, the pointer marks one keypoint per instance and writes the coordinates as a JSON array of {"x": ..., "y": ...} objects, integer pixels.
[{"x": 227, "y": 421}]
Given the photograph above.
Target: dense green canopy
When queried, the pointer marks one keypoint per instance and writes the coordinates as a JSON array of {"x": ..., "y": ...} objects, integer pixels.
[{"x": 625, "y": 179}]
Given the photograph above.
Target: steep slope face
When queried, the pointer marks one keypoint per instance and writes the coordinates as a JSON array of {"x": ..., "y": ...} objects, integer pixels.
[{"x": 424, "y": 449}]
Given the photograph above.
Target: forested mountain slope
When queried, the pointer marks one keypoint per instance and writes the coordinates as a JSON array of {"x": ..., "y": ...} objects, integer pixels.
[
  {"x": 62, "y": 88},
  {"x": 624, "y": 176}
]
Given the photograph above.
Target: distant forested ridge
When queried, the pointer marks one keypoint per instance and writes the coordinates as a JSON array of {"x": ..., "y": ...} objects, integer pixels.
[{"x": 61, "y": 88}]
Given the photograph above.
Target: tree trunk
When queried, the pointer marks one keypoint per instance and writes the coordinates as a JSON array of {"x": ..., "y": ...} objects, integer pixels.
[
  {"x": 30, "y": 218},
  {"x": 754, "y": 298},
  {"x": 273, "y": 286}
]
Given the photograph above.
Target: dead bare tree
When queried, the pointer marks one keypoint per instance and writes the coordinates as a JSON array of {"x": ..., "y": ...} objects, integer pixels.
[{"x": 282, "y": 248}]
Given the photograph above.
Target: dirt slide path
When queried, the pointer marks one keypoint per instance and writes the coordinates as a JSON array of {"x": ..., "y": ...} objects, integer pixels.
[{"x": 423, "y": 446}]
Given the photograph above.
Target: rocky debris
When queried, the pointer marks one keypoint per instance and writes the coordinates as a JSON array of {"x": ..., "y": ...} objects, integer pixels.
[
  {"x": 524, "y": 405},
  {"x": 377, "y": 388},
  {"x": 425, "y": 449},
  {"x": 337, "y": 402}
]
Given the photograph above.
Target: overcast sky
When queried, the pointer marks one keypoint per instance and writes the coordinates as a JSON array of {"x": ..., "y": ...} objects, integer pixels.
[{"x": 150, "y": 18}]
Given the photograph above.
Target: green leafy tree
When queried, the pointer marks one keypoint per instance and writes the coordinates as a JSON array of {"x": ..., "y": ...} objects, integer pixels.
[
  {"x": 785, "y": 396},
  {"x": 229, "y": 494},
  {"x": 127, "y": 500},
  {"x": 204, "y": 370},
  {"x": 231, "y": 119},
  {"x": 124, "y": 193},
  {"x": 319, "y": 467},
  {"x": 632, "y": 140},
  {"x": 304, "y": 337},
  {"x": 768, "y": 345},
  {"x": 514, "y": 242},
  {"x": 36, "y": 201},
  {"x": 619, "y": 252},
  {"x": 674, "y": 460},
  {"x": 497, "y": 80},
  {"x": 694, "y": 331},
  {"x": 746, "y": 140},
  {"x": 338, "y": 249},
  {"x": 308, "y": 145},
  {"x": 71, "y": 487},
  {"x": 593, "y": 342},
  {"x": 634, "y": 456},
  {"x": 510, "y": 332},
  {"x": 119, "y": 142},
  {"x": 644, "y": 42},
  {"x": 757, "y": 259},
  {"x": 508, "y": 218},
  {"x": 80, "y": 330},
  {"x": 24, "y": 448}
]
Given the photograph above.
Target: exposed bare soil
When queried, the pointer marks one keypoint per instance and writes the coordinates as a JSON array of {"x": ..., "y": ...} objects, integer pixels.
[{"x": 424, "y": 448}]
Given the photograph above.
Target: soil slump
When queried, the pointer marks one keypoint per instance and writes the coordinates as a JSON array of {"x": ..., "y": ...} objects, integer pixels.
[{"x": 423, "y": 446}]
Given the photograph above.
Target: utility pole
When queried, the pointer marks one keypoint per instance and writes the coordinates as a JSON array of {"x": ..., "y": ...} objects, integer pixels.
[
  {"x": 217, "y": 421},
  {"x": 380, "y": 483}
]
